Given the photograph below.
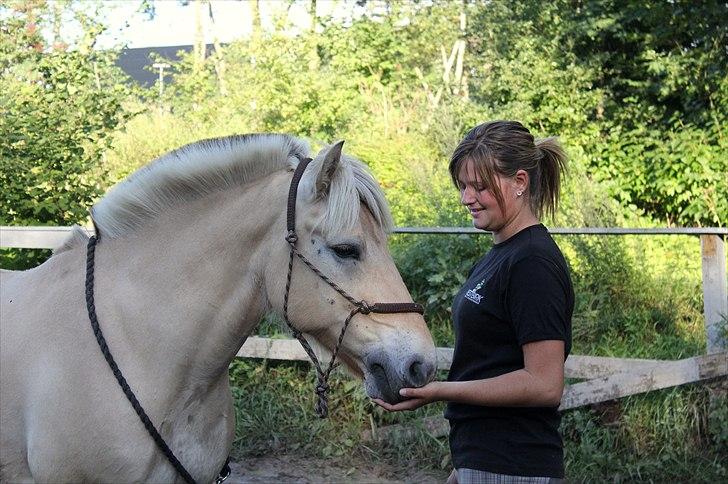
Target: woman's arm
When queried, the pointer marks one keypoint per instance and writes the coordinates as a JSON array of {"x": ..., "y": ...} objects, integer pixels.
[{"x": 539, "y": 384}]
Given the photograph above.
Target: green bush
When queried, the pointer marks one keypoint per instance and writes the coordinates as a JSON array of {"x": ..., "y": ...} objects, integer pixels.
[{"x": 59, "y": 111}]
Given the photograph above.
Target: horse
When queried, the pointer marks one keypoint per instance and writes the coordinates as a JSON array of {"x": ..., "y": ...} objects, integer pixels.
[{"x": 192, "y": 253}]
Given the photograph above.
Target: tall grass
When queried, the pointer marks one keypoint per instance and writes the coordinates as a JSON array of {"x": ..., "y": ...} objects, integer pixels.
[{"x": 664, "y": 436}]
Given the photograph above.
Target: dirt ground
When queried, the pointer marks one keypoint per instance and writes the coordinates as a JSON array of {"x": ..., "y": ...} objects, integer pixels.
[{"x": 304, "y": 470}]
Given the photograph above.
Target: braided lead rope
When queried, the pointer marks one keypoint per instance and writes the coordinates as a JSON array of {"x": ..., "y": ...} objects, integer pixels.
[
  {"x": 91, "y": 307},
  {"x": 224, "y": 472}
]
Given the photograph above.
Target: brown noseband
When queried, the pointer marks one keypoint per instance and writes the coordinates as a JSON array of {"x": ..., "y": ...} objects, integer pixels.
[{"x": 360, "y": 306}]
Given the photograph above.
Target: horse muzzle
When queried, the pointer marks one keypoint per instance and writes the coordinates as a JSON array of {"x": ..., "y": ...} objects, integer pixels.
[{"x": 386, "y": 373}]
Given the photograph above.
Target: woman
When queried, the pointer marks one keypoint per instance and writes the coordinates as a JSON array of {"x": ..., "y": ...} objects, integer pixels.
[{"x": 512, "y": 317}]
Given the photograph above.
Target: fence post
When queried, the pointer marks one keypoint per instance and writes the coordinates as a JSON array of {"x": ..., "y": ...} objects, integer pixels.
[{"x": 715, "y": 294}]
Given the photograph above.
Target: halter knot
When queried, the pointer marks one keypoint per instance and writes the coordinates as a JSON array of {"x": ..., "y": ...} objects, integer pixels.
[
  {"x": 322, "y": 388},
  {"x": 292, "y": 237},
  {"x": 364, "y": 307},
  {"x": 322, "y": 405}
]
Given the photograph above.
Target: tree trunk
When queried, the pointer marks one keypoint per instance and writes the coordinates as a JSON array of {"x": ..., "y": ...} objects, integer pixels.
[
  {"x": 255, "y": 14},
  {"x": 199, "y": 45},
  {"x": 218, "y": 58},
  {"x": 312, "y": 13}
]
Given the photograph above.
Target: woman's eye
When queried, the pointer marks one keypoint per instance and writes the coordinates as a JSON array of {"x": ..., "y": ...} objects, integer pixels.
[{"x": 346, "y": 251}]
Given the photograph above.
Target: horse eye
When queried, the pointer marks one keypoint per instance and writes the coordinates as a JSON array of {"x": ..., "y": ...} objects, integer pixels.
[{"x": 346, "y": 251}]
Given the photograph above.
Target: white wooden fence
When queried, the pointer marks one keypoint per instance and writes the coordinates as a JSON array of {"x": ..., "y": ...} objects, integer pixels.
[{"x": 605, "y": 378}]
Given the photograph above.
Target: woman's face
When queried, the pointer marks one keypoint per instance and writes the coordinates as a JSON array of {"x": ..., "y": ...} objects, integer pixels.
[{"x": 480, "y": 201}]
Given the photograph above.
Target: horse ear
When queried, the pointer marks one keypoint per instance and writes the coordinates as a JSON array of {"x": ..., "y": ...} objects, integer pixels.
[{"x": 330, "y": 162}]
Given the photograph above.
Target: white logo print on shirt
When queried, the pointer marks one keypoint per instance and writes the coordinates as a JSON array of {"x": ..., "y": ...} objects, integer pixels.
[{"x": 473, "y": 295}]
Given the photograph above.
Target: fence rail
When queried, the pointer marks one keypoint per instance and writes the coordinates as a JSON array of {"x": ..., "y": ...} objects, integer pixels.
[
  {"x": 606, "y": 378},
  {"x": 721, "y": 231},
  {"x": 40, "y": 237}
]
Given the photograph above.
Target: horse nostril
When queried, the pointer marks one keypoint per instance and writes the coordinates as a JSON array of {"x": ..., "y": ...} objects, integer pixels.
[
  {"x": 378, "y": 372},
  {"x": 420, "y": 373},
  {"x": 415, "y": 370}
]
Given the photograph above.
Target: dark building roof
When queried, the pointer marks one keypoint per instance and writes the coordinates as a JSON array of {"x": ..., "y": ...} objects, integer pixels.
[{"x": 137, "y": 63}]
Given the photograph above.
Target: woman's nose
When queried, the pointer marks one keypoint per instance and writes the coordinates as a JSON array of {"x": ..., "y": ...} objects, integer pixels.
[{"x": 467, "y": 196}]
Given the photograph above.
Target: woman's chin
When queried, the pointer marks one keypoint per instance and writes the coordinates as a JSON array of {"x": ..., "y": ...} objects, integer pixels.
[{"x": 480, "y": 224}]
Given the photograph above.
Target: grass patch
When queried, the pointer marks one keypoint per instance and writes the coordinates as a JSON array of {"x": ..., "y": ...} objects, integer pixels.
[{"x": 671, "y": 435}]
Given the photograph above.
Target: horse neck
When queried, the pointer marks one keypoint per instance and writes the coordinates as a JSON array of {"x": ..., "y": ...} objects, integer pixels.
[{"x": 183, "y": 294}]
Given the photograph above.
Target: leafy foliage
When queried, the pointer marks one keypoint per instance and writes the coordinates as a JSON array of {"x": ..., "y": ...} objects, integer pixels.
[
  {"x": 662, "y": 68},
  {"x": 59, "y": 110},
  {"x": 641, "y": 86}
]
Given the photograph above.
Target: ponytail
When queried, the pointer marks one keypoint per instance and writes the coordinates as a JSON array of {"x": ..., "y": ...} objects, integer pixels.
[{"x": 552, "y": 165}]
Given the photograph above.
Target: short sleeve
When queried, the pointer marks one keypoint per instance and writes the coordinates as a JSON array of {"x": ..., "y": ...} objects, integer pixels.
[{"x": 537, "y": 300}]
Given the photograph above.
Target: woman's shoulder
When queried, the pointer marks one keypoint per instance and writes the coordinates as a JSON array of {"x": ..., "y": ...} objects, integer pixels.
[
  {"x": 538, "y": 246},
  {"x": 534, "y": 241}
]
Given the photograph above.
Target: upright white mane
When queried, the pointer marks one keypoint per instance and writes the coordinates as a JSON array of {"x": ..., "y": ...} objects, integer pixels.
[{"x": 212, "y": 165}]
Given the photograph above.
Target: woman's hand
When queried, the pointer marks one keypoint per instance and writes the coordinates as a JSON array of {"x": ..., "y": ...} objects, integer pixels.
[{"x": 416, "y": 397}]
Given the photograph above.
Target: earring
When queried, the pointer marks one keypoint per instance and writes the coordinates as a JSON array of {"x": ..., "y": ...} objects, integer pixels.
[{"x": 519, "y": 193}]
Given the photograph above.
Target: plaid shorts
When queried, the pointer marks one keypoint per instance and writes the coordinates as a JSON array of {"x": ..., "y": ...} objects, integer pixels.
[{"x": 472, "y": 476}]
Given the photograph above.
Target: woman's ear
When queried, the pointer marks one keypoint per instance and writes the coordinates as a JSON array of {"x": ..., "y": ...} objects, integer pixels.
[{"x": 521, "y": 181}]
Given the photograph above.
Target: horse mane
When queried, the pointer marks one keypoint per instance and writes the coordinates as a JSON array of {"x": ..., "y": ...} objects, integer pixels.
[{"x": 206, "y": 166}]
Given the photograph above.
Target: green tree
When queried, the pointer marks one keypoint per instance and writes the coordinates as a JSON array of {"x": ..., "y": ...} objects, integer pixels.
[
  {"x": 639, "y": 86},
  {"x": 664, "y": 66},
  {"x": 59, "y": 108}
]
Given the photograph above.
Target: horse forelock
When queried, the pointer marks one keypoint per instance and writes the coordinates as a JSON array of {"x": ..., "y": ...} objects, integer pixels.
[
  {"x": 352, "y": 186},
  {"x": 206, "y": 166}
]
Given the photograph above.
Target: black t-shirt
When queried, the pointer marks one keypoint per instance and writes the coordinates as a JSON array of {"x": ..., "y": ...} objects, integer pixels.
[{"x": 519, "y": 292}]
